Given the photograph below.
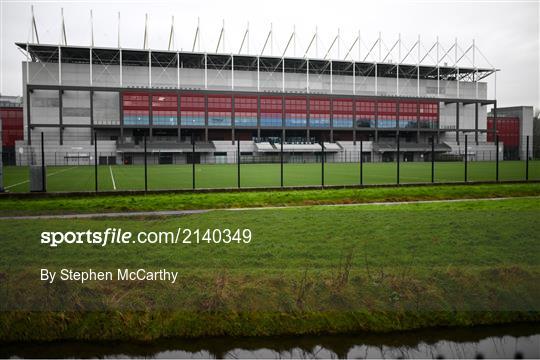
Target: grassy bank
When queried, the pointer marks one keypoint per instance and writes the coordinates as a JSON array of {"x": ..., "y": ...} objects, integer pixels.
[
  {"x": 306, "y": 270},
  {"x": 153, "y": 202}
]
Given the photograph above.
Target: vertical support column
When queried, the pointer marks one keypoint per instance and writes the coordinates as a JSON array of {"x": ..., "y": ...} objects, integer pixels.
[
  {"x": 59, "y": 65},
  {"x": 438, "y": 71},
  {"x": 354, "y": 125},
  {"x": 397, "y": 158},
  {"x": 354, "y": 78},
  {"x": 457, "y": 122},
  {"x": 432, "y": 159},
  {"x": 307, "y": 118},
  {"x": 476, "y": 123},
  {"x": 233, "y": 121},
  {"x": 527, "y": 160},
  {"x": 150, "y": 116},
  {"x": 258, "y": 117},
  {"x": 205, "y": 71},
  {"x": 28, "y": 122},
  {"x": 95, "y": 161},
  {"x": 238, "y": 161},
  {"x": 331, "y": 78},
  {"x": 205, "y": 118},
  {"x": 27, "y": 64},
  {"x": 150, "y": 68},
  {"x": 331, "y": 120},
  {"x": 466, "y": 159},
  {"x": 307, "y": 76},
  {"x": 281, "y": 157},
  {"x": 457, "y": 83},
  {"x": 283, "y": 74},
  {"x": 361, "y": 163},
  {"x": 322, "y": 162},
  {"x": 376, "y": 79},
  {"x": 178, "y": 118},
  {"x": 178, "y": 70},
  {"x": 121, "y": 116},
  {"x": 91, "y": 77},
  {"x": 376, "y": 121},
  {"x": 418, "y": 69},
  {"x": 121, "y": 70},
  {"x": 145, "y": 167},
  {"x": 417, "y": 121},
  {"x": 438, "y": 121},
  {"x": 43, "y": 175},
  {"x": 232, "y": 71},
  {"x": 193, "y": 160},
  {"x": 91, "y": 93},
  {"x": 258, "y": 75},
  {"x": 497, "y": 158},
  {"x": 60, "y": 116},
  {"x": 495, "y": 132}
]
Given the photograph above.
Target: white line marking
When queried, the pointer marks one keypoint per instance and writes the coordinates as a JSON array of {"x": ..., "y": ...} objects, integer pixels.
[
  {"x": 24, "y": 182},
  {"x": 112, "y": 178}
]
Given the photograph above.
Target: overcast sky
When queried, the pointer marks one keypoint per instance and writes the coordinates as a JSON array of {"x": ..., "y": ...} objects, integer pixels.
[{"x": 506, "y": 32}]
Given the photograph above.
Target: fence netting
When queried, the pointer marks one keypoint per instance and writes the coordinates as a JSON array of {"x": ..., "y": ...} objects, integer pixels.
[{"x": 201, "y": 166}]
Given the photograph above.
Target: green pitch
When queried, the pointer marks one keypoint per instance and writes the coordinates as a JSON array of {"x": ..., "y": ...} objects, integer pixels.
[{"x": 131, "y": 177}]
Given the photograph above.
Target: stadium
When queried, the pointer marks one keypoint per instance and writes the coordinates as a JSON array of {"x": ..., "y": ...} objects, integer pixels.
[{"x": 381, "y": 103}]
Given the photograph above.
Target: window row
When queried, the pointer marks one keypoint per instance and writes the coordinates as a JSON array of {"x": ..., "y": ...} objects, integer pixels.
[
  {"x": 192, "y": 102},
  {"x": 216, "y": 118}
]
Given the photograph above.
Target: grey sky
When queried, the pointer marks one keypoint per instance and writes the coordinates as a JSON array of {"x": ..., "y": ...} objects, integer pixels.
[{"x": 507, "y": 33}]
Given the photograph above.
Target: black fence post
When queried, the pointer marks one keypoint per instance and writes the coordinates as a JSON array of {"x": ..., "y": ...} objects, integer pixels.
[
  {"x": 397, "y": 163},
  {"x": 238, "y": 161},
  {"x": 281, "y": 160},
  {"x": 527, "y": 160},
  {"x": 193, "y": 161},
  {"x": 322, "y": 163},
  {"x": 95, "y": 161},
  {"x": 497, "y": 158},
  {"x": 361, "y": 164},
  {"x": 433, "y": 159},
  {"x": 43, "y": 180},
  {"x": 465, "y": 169},
  {"x": 145, "y": 167}
]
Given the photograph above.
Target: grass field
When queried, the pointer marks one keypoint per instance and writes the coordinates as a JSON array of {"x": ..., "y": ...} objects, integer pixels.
[
  {"x": 389, "y": 268},
  {"x": 62, "y": 204},
  {"x": 168, "y": 177}
]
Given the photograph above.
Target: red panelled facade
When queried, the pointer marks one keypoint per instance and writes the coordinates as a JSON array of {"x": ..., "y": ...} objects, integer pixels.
[
  {"x": 343, "y": 114},
  {"x": 271, "y": 111},
  {"x": 219, "y": 110},
  {"x": 12, "y": 130},
  {"x": 365, "y": 113},
  {"x": 136, "y": 108},
  {"x": 408, "y": 114},
  {"x": 428, "y": 115},
  {"x": 277, "y": 111},
  {"x": 296, "y": 111},
  {"x": 192, "y": 109},
  {"x": 245, "y": 111},
  {"x": 164, "y": 109},
  {"x": 319, "y": 112},
  {"x": 387, "y": 114},
  {"x": 12, "y": 125},
  {"x": 508, "y": 131}
]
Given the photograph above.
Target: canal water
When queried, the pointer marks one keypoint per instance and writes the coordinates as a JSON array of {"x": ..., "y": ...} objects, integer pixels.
[{"x": 508, "y": 341}]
